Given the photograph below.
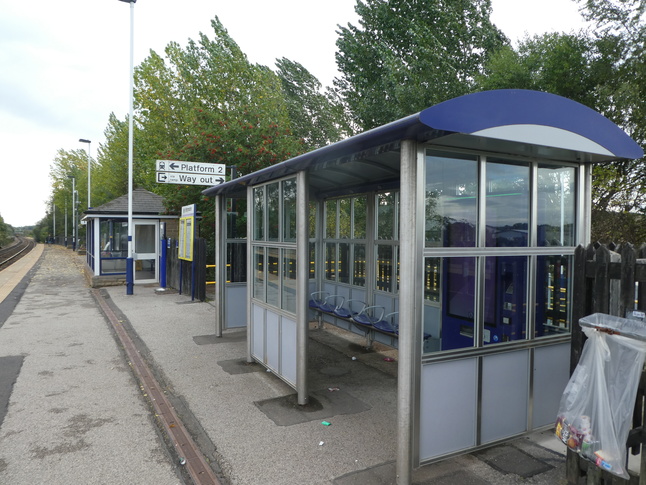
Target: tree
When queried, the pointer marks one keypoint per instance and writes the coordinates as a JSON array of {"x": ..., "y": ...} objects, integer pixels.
[
  {"x": 556, "y": 63},
  {"x": 619, "y": 194},
  {"x": 407, "y": 55},
  {"x": 318, "y": 118},
  {"x": 6, "y": 232}
]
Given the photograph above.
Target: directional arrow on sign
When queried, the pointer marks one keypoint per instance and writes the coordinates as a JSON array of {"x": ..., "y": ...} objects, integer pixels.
[{"x": 188, "y": 179}]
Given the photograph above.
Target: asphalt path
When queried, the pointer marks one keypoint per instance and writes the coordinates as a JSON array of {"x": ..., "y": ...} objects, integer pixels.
[{"x": 75, "y": 414}]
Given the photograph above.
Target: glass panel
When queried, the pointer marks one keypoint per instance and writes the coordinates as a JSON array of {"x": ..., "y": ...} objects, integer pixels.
[
  {"x": 344, "y": 263},
  {"x": 505, "y": 299},
  {"x": 273, "y": 213},
  {"x": 236, "y": 218},
  {"x": 451, "y": 200},
  {"x": 144, "y": 269},
  {"x": 110, "y": 265},
  {"x": 144, "y": 238},
  {"x": 386, "y": 212},
  {"x": 507, "y": 204},
  {"x": 360, "y": 217},
  {"x": 273, "y": 278},
  {"x": 553, "y": 295},
  {"x": 330, "y": 261},
  {"x": 259, "y": 214},
  {"x": 330, "y": 219},
  {"x": 313, "y": 214},
  {"x": 384, "y": 267},
  {"x": 289, "y": 280},
  {"x": 359, "y": 274},
  {"x": 312, "y": 260},
  {"x": 259, "y": 273},
  {"x": 289, "y": 210},
  {"x": 458, "y": 303},
  {"x": 432, "y": 279},
  {"x": 114, "y": 238},
  {"x": 556, "y": 206},
  {"x": 236, "y": 262},
  {"x": 345, "y": 218}
]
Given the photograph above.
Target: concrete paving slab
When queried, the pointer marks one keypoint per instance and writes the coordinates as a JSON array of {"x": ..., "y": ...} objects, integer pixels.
[{"x": 323, "y": 404}]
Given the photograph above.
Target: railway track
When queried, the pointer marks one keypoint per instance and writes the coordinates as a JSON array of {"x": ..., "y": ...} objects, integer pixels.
[{"x": 12, "y": 253}]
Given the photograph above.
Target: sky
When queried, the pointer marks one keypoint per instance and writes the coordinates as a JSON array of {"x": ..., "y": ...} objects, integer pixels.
[{"x": 64, "y": 66}]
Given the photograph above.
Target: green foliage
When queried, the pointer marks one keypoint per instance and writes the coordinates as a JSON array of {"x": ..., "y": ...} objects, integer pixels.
[
  {"x": 555, "y": 63},
  {"x": 407, "y": 55},
  {"x": 318, "y": 118},
  {"x": 6, "y": 232},
  {"x": 619, "y": 42}
]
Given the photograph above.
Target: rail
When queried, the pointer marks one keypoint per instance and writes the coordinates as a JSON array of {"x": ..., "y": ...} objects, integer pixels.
[{"x": 16, "y": 251}]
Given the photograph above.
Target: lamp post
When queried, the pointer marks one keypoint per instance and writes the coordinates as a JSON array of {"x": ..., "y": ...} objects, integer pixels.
[
  {"x": 129, "y": 261},
  {"x": 73, "y": 211},
  {"x": 89, "y": 171}
]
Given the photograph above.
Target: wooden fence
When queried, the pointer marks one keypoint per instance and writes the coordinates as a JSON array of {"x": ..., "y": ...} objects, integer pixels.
[{"x": 610, "y": 280}]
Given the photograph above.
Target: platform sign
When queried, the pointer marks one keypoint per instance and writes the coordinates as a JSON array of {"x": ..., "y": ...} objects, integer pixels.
[
  {"x": 190, "y": 173},
  {"x": 191, "y": 167},
  {"x": 189, "y": 179},
  {"x": 187, "y": 232}
]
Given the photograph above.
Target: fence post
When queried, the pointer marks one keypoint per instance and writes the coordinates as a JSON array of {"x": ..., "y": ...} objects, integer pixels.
[
  {"x": 627, "y": 282},
  {"x": 601, "y": 286}
]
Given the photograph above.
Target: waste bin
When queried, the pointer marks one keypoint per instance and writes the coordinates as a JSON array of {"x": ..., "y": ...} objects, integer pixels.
[{"x": 596, "y": 408}]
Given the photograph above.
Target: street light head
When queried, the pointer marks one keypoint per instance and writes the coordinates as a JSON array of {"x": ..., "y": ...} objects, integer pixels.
[
  {"x": 128, "y": 1},
  {"x": 83, "y": 140}
]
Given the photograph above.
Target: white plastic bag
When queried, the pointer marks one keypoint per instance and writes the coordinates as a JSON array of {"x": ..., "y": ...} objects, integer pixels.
[{"x": 597, "y": 405}]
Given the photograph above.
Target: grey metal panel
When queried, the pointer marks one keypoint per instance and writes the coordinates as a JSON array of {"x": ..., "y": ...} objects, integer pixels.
[
  {"x": 551, "y": 375},
  {"x": 388, "y": 301},
  {"x": 505, "y": 391},
  {"x": 288, "y": 350},
  {"x": 447, "y": 407},
  {"x": 272, "y": 339},
  {"x": 236, "y": 300},
  {"x": 257, "y": 329}
]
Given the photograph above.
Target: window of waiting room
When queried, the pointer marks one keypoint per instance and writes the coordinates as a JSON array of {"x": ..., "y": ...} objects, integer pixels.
[
  {"x": 511, "y": 250},
  {"x": 492, "y": 274},
  {"x": 484, "y": 245}
]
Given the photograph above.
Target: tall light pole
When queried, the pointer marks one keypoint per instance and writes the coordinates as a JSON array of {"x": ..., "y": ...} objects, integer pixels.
[
  {"x": 54, "y": 222},
  {"x": 89, "y": 171},
  {"x": 73, "y": 211},
  {"x": 129, "y": 262}
]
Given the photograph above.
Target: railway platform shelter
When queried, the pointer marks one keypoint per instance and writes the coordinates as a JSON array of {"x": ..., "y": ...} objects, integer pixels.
[
  {"x": 107, "y": 238},
  {"x": 448, "y": 234}
]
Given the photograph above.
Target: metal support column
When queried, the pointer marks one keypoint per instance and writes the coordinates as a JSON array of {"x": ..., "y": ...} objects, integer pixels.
[
  {"x": 250, "y": 271},
  {"x": 220, "y": 264},
  {"x": 410, "y": 307},
  {"x": 302, "y": 285}
]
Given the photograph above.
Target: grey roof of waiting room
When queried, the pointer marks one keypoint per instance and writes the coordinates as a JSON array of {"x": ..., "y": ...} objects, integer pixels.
[{"x": 143, "y": 203}]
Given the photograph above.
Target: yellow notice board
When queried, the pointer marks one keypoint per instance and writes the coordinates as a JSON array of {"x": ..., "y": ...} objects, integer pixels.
[{"x": 187, "y": 233}]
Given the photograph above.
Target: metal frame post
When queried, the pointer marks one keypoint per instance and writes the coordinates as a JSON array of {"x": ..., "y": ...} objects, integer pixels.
[
  {"x": 220, "y": 264},
  {"x": 302, "y": 285},
  {"x": 410, "y": 308}
]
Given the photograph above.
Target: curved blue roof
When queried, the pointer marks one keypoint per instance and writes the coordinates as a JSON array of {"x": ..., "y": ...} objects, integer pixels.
[
  {"x": 508, "y": 121},
  {"x": 532, "y": 117}
]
